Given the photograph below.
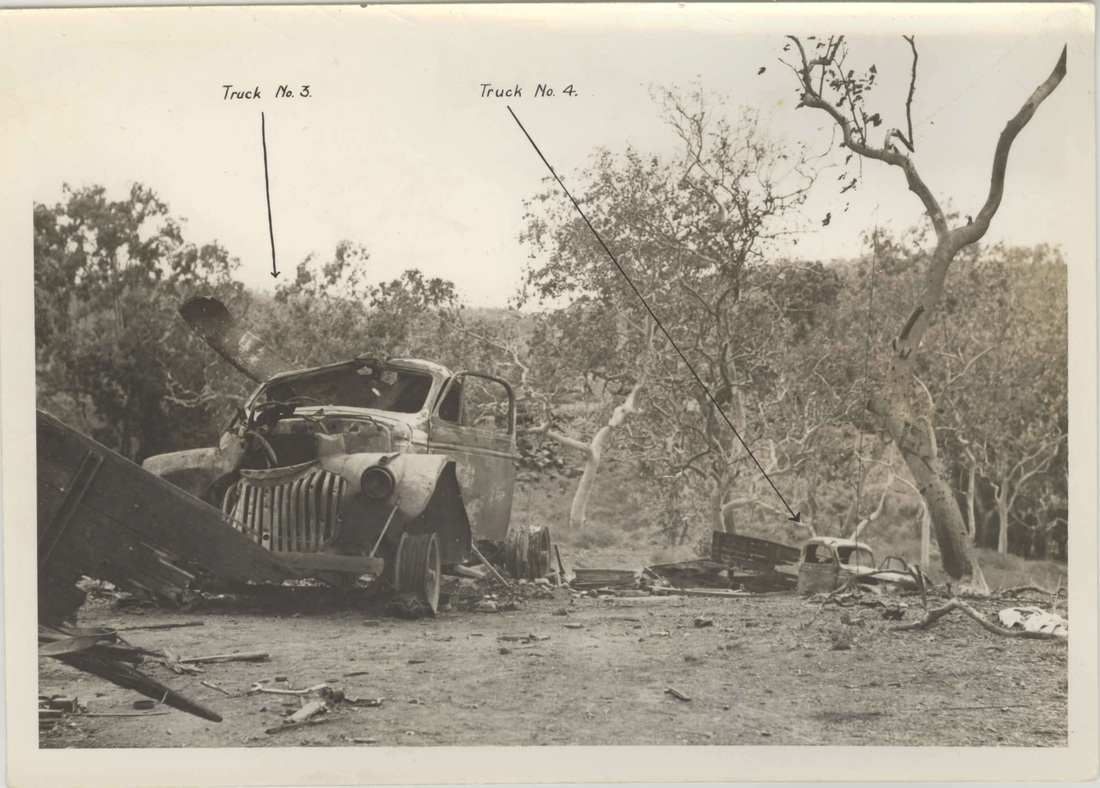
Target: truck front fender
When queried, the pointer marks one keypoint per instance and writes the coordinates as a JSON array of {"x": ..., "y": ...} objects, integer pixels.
[
  {"x": 196, "y": 470},
  {"x": 426, "y": 497}
]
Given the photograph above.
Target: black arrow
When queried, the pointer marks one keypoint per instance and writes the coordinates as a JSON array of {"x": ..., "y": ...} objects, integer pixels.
[
  {"x": 795, "y": 516},
  {"x": 267, "y": 187}
]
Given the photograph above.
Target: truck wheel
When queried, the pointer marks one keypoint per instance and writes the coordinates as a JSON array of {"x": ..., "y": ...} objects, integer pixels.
[
  {"x": 539, "y": 553},
  {"x": 516, "y": 553},
  {"x": 417, "y": 568}
]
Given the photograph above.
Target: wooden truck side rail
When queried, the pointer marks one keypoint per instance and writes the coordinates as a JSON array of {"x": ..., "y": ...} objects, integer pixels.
[{"x": 749, "y": 552}]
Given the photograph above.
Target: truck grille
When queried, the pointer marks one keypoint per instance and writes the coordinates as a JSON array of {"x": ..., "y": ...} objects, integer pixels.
[{"x": 287, "y": 509}]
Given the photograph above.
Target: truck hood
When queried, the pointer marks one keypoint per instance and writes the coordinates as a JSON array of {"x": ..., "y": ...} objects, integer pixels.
[{"x": 211, "y": 320}]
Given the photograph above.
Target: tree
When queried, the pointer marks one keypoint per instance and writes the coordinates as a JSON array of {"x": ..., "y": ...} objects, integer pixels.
[
  {"x": 827, "y": 84},
  {"x": 1013, "y": 327},
  {"x": 691, "y": 235},
  {"x": 331, "y": 311},
  {"x": 111, "y": 354}
]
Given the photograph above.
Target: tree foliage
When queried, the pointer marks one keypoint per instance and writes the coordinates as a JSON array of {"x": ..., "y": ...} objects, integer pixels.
[{"x": 111, "y": 354}]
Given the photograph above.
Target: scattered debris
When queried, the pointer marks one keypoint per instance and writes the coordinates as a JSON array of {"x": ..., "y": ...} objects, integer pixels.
[
  {"x": 364, "y": 702},
  {"x": 410, "y": 607},
  {"x": 1016, "y": 591},
  {"x": 1034, "y": 619},
  {"x": 214, "y": 686},
  {"x": 254, "y": 656},
  {"x": 707, "y": 592},
  {"x": 842, "y": 639},
  {"x": 584, "y": 579},
  {"x": 62, "y": 703},
  {"x": 531, "y": 638},
  {"x": 496, "y": 574},
  {"x": 894, "y": 612},
  {"x": 678, "y": 695},
  {"x": 162, "y": 626},
  {"x": 103, "y": 653},
  {"x": 690, "y": 574},
  {"x": 286, "y": 726},
  {"x": 476, "y": 572},
  {"x": 574, "y": 625},
  {"x": 1002, "y": 707},
  {"x": 258, "y": 686},
  {"x": 310, "y": 710},
  {"x": 703, "y": 621},
  {"x": 957, "y": 604},
  {"x": 52, "y": 709}
]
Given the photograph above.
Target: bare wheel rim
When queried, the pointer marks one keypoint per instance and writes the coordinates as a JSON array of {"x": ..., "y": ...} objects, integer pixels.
[{"x": 418, "y": 568}]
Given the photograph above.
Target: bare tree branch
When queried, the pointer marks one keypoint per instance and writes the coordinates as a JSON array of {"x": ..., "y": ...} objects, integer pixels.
[
  {"x": 811, "y": 97},
  {"x": 970, "y": 233}
]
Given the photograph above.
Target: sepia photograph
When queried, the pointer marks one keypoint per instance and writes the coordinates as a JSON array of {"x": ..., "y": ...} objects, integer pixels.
[{"x": 572, "y": 377}]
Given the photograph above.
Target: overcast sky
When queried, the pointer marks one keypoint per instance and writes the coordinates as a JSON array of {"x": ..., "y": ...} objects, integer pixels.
[{"x": 397, "y": 150}]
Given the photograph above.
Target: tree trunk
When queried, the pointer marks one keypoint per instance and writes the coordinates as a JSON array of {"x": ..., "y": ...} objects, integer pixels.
[
  {"x": 717, "y": 511},
  {"x": 1002, "y": 519},
  {"x": 584, "y": 489},
  {"x": 917, "y": 441},
  {"x": 593, "y": 453},
  {"x": 925, "y": 537},
  {"x": 971, "y": 529}
]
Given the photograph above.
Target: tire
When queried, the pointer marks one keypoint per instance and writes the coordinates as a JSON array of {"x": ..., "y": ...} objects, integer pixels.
[{"x": 516, "y": 553}]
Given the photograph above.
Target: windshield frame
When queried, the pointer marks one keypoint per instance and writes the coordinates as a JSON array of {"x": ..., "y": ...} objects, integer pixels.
[{"x": 376, "y": 364}]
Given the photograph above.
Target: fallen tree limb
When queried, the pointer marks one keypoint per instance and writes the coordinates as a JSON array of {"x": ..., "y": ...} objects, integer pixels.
[
  {"x": 957, "y": 604},
  {"x": 1021, "y": 589}
]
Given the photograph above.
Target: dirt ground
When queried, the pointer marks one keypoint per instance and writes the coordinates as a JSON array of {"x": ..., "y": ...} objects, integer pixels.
[{"x": 767, "y": 670}]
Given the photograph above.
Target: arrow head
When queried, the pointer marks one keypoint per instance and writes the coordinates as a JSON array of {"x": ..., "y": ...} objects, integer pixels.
[
  {"x": 275, "y": 274},
  {"x": 797, "y": 518}
]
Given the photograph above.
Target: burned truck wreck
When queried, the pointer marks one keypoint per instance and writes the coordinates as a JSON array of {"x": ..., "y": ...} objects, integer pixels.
[{"x": 394, "y": 467}]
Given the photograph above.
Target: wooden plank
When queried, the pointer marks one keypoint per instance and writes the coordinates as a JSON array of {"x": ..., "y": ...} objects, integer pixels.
[
  {"x": 97, "y": 546},
  {"x": 153, "y": 509}
]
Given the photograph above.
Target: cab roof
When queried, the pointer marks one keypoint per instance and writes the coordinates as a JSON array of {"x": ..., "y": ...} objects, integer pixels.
[{"x": 835, "y": 542}]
